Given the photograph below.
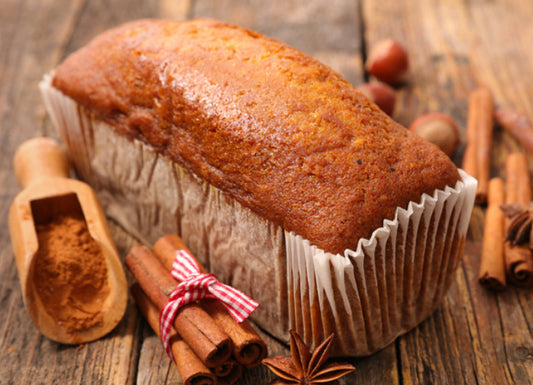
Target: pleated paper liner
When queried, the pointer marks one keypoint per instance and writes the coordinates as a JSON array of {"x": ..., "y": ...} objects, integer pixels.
[
  {"x": 367, "y": 297},
  {"x": 391, "y": 283}
]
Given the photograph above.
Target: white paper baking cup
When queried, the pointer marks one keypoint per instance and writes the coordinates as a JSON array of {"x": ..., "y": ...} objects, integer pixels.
[
  {"x": 368, "y": 296},
  {"x": 392, "y": 282}
]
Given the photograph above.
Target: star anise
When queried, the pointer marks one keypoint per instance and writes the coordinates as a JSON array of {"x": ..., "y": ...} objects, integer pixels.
[
  {"x": 305, "y": 368},
  {"x": 519, "y": 230}
]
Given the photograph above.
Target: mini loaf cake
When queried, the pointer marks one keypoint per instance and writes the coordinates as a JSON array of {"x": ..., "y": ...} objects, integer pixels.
[
  {"x": 262, "y": 159},
  {"x": 276, "y": 130}
]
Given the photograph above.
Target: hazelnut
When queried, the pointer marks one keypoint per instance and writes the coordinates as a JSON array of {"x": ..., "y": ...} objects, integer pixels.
[
  {"x": 388, "y": 61},
  {"x": 381, "y": 94},
  {"x": 439, "y": 129}
]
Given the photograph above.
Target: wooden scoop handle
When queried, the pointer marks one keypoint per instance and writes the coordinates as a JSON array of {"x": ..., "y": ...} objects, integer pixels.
[{"x": 39, "y": 158}]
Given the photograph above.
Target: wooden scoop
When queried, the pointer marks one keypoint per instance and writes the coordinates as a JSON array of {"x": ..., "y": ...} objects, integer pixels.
[{"x": 42, "y": 171}]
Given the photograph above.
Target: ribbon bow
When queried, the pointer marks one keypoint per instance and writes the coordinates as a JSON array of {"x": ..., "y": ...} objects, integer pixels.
[{"x": 195, "y": 285}]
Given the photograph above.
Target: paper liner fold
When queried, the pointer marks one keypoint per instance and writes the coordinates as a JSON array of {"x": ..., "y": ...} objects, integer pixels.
[
  {"x": 367, "y": 296},
  {"x": 391, "y": 282}
]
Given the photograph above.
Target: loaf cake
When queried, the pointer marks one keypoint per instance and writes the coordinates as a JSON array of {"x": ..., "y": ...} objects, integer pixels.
[{"x": 282, "y": 178}]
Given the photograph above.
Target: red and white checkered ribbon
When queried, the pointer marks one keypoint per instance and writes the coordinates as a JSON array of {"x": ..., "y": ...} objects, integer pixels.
[{"x": 194, "y": 286}]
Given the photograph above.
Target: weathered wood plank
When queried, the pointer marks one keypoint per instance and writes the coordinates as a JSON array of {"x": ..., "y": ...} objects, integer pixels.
[
  {"x": 502, "y": 55},
  {"x": 25, "y": 56},
  {"x": 439, "y": 76}
]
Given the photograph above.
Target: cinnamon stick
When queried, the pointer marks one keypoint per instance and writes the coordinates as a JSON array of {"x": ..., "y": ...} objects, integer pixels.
[
  {"x": 228, "y": 373},
  {"x": 492, "y": 267},
  {"x": 192, "y": 323},
  {"x": 516, "y": 124},
  {"x": 518, "y": 259},
  {"x": 248, "y": 348},
  {"x": 191, "y": 368},
  {"x": 479, "y": 130},
  {"x": 470, "y": 154}
]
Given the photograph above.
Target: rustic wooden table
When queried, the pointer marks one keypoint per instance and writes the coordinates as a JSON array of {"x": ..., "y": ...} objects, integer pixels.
[{"x": 476, "y": 336}]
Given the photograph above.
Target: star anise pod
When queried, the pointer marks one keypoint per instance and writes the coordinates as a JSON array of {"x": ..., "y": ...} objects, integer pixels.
[
  {"x": 305, "y": 368},
  {"x": 519, "y": 230}
]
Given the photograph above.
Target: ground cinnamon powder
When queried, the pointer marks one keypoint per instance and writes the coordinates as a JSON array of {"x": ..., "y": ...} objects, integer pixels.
[{"x": 70, "y": 273}]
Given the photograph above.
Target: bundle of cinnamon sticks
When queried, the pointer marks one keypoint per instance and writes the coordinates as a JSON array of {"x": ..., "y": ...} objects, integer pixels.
[
  {"x": 208, "y": 345},
  {"x": 502, "y": 259}
]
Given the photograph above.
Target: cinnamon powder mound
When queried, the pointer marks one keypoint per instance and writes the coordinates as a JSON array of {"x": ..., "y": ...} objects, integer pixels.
[{"x": 70, "y": 274}]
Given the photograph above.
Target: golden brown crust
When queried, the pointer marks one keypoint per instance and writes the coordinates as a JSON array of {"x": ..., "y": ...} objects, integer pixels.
[{"x": 278, "y": 131}]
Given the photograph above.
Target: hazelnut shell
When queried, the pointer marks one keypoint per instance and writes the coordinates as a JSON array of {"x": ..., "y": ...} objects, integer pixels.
[
  {"x": 388, "y": 62},
  {"x": 439, "y": 129},
  {"x": 380, "y": 93}
]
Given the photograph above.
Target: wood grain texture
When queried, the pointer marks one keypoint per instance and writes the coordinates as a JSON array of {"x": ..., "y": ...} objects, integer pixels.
[{"x": 474, "y": 337}]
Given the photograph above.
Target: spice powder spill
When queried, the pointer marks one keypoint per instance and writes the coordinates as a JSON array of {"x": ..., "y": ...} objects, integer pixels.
[{"x": 70, "y": 274}]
